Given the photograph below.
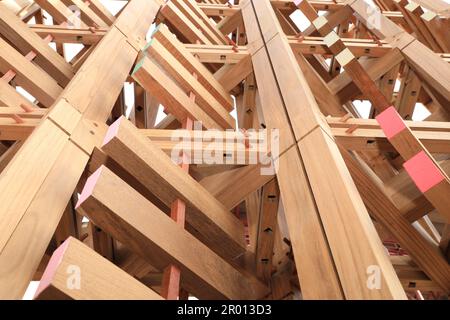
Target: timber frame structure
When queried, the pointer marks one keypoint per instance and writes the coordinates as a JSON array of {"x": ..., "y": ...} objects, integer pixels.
[{"x": 356, "y": 208}]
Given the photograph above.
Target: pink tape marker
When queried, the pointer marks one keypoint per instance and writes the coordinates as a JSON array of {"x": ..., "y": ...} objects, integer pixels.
[
  {"x": 423, "y": 171},
  {"x": 52, "y": 267},
  {"x": 112, "y": 131},
  {"x": 89, "y": 187},
  {"x": 391, "y": 122},
  {"x": 297, "y": 2}
]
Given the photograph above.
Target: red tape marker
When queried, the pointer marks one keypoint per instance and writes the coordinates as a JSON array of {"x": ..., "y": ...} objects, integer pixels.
[
  {"x": 391, "y": 122},
  {"x": 423, "y": 171}
]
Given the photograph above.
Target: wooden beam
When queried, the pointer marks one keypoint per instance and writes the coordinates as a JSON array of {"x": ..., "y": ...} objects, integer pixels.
[
  {"x": 11, "y": 130},
  {"x": 62, "y": 34},
  {"x": 8, "y": 153},
  {"x": 154, "y": 80},
  {"x": 52, "y": 151},
  {"x": 428, "y": 66},
  {"x": 189, "y": 83},
  {"x": 315, "y": 143},
  {"x": 213, "y": 223},
  {"x": 10, "y": 97},
  {"x": 346, "y": 90},
  {"x": 375, "y": 139},
  {"x": 77, "y": 272},
  {"x": 437, "y": 6},
  {"x": 136, "y": 222},
  {"x": 33, "y": 79},
  {"x": 182, "y": 24},
  {"x": 192, "y": 13},
  {"x": 230, "y": 148},
  {"x": 188, "y": 59},
  {"x": 101, "y": 11},
  {"x": 18, "y": 33},
  {"x": 230, "y": 23},
  {"x": 231, "y": 75},
  {"x": 195, "y": 6},
  {"x": 233, "y": 186},
  {"x": 87, "y": 15},
  {"x": 359, "y": 47},
  {"x": 427, "y": 256},
  {"x": 267, "y": 226},
  {"x": 60, "y": 12}
]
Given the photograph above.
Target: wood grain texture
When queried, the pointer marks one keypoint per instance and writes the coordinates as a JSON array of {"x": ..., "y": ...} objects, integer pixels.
[
  {"x": 134, "y": 221},
  {"x": 214, "y": 224},
  {"x": 98, "y": 279}
]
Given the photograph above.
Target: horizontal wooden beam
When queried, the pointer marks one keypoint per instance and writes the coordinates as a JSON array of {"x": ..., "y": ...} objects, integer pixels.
[
  {"x": 11, "y": 130},
  {"x": 375, "y": 139},
  {"x": 369, "y": 136},
  {"x": 63, "y": 34},
  {"x": 207, "y": 53},
  {"x": 211, "y": 147}
]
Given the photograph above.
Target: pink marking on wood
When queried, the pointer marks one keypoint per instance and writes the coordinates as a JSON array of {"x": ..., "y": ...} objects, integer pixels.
[
  {"x": 31, "y": 55},
  {"x": 112, "y": 131},
  {"x": 48, "y": 38},
  {"x": 8, "y": 76},
  {"x": 297, "y": 2},
  {"x": 391, "y": 122},
  {"x": 89, "y": 187},
  {"x": 52, "y": 266},
  {"x": 423, "y": 171},
  {"x": 17, "y": 119},
  {"x": 27, "y": 108}
]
